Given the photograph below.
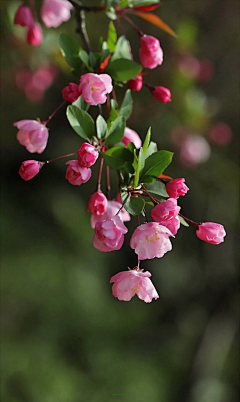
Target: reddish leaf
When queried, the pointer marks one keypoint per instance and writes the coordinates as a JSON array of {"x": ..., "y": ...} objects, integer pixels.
[
  {"x": 163, "y": 176},
  {"x": 155, "y": 20},
  {"x": 147, "y": 8},
  {"x": 104, "y": 64}
]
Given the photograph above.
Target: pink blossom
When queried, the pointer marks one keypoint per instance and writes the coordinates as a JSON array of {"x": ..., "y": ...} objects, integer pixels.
[
  {"x": 131, "y": 136},
  {"x": 165, "y": 210},
  {"x": 97, "y": 203},
  {"x": 54, "y": 12},
  {"x": 176, "y": 188},
  {"x": 29, "y": 169},
  {"x": 112, "y": 209},
  {"x": 135, "y": 84},
  {"x": 34, "y": 35},
  {"x": 162, "y": 94},
  {"x": 151, "y": 240},
  {"x": 24, "y": 17},
  {"x": 211, "y": 232},
  {"x": 32, "y": 134},
  {"x": 71, "y": 92},
  {"x": 173, "y": 225},
  {"x": 76, "y": 174},
  {"x": 128, "y": 283},
  {"x": 87, "y": 155},
  {"x": 194, "y": 150},
  {"x": 109, "y": 234},
  {"x": 151, "y": 54},
  {"x": 95, "y": 87}
]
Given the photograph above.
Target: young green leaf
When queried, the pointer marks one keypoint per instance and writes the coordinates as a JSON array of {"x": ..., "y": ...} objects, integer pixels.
[
  {"x": 122, "y": 50},
  {"x": 157, "y": 187},
  {"x": 70, "y": 48},
  {"x": 101, "y": 126},
  {"x": 146, "y": 141},
  {"x": 127, "y": 105},
  {"x": 117, "y": 156},
  {"x": 81, "y": 104},
  {"x": 141, "y": 3},
  {"x": 134, "y": 205},
  {"x": 123, "y": 69},
  {"x": 110, "y": 13},
  {"x": 81, "y": 122},
  {"x": 112, "y": 37},
  {"x": 155, "y": 164},
  {"x": 116, "y": 131},
  {"x": 151, "y": 149},
  {"x": 140, "y": 166},
  {"x": 182, "y": 221},
  {"x": 85, "y": 59}
]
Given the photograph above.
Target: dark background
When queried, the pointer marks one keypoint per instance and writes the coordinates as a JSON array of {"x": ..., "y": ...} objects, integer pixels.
[{"x": 65, "y": 338}]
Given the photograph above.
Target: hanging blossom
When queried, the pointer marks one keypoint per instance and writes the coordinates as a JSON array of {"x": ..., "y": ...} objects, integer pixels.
[
  {"x": 55, "y": 12},
  {"x": 211, "y": 232},
  {"x": 109, "y": 235},
  {"x": 33, "y": 134},
  {"x": 113, "y": 208}
]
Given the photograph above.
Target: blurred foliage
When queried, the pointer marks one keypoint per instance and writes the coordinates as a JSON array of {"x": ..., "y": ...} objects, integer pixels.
[{"x": 65, "y": 338}]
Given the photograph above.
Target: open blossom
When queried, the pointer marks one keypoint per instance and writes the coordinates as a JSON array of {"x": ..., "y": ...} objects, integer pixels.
[
  {"x": 29, "y": 169},
  {"x": 32, "y": 134},
  {"x": 131, "y": 136},
  {"x": 162, "y": 94},
  {"x": 151, "y": 54},
  {"x": 136, "y": 83},
  {"x": 109, "y": 235},
  {"x": 76, "y": 174},
  {"x": 112, "y": 209},
  {"x": 54, "y": 12},
  {"x": 211, "y": 232},
  {"x": 71, "y": 92},
  {"x": 95, "y": 87},
  {"x": 35, "y": 35},
  {"x": 97, "y": 203},
  {"x": 151, "y": 240},
  {"x": 165, "y": 210},
  {"x": 176, "y": 188},
  {"x": 173, "y": 225},
  {"x": 128, "y": 283},
  {"x": 24, "y": 17},
  {"x": 87, "y": 155}
]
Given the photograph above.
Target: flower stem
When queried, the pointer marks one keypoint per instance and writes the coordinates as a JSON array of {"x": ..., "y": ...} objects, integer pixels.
[
  {"x": 194, "y": 224},
  {"x": 108, "y": 182},
  {"x": 59, "y": 157},
  {"x": 100, "y": 175},
  {"x": 139, "y": 32},
  {"x": 53, "y": 113}
]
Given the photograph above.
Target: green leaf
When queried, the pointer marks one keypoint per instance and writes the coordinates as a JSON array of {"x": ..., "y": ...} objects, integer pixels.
[
  {"x": 134, "y": 205},
  {"x": 81, "y": 104},
  {"x": 85, "y": 59},
  {"x": 81, "y": 122},
  {"x": 140, "y": 3},
  {"x": 131, "y": 147},
  {"x": 110, "y": 13},
  {"x": 127, "y": 105},
  {"x": 155, "y": 164},
  {"x": 95, "y": 60},
  {"x": 123, "y": 3},
  {"x": 151, "y": 149},
  {"x": 112, "y": 37},
  {"x": 140, "y": 166},
  {"x": 123, "y": 69},
  {"x": 105, "y": 51},
  {"x": 183, "y": 222},
  {"x": 116, "y": 131},
  {"x": 101, "y": 126},
  {"x": 70, "y": 48},
  {"x": 157, "y": 187},
  {"x": 116, "y": 157},
  {"x": 122, "y": 50},
  {"x": 146, "y": 141}
]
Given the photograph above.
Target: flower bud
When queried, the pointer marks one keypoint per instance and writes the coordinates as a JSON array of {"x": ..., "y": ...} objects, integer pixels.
[
  {"x": 24, "y": 17},
  {"x": 29, "y": 169},
  {"x": 150, "y": 53},
  {"x": 211, "y": 232},
  {"x": 71, "y": 92},
  {"x": 76, "y": 174},
  {"x": 87, "y": 155},
  {"x": 97, "y": 203},
  {"x": 165, "y": 210},
  {"x": 135, "y": 84},
  {"x": 162, "y": 94},
  {"x": 34, "y": 35},
  {"x": 176, "y": 188}
]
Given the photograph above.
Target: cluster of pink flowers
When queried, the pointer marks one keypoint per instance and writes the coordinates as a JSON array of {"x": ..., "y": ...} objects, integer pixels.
[{"x": 78, "y": 171}]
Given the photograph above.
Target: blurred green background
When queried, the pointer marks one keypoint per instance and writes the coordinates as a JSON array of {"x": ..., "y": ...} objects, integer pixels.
[{"x": 65, "y": 338}]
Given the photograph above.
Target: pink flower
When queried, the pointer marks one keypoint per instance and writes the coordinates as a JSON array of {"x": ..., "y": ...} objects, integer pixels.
[
  {"x": 54, "y": 12},
  {"x": 29, "y": 169},
  {"x": 151, "y": 54},
  {"x": 97, "y": 203},
  {"x": 109, "y": 235},
  {"x": 87, "y": 155},
  {"x": 135, "y": 84},
  {"x": 176, "y": 188},
  {"x": 211, "y": 232},
  {"x": 95, "y": 87},
  {"x": 112, "y": 208},
  {"x": 131, "y": 136},
  {"x": 32, "y": 134},
  {"x": 194, "y": 150},
  {"x": 165, "y": 210},
  {"x": 151, "y": 240},
  {"x": 173, "y": 225},
  {"x": 128, "y": 283},
  {"x": 76, "y": 174},
  {"x": 24, "y": 17},
  {"x": 71, "y": 92},
  {"x": 34, "y": 35},
  {"x": 162, "y": 94}
]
